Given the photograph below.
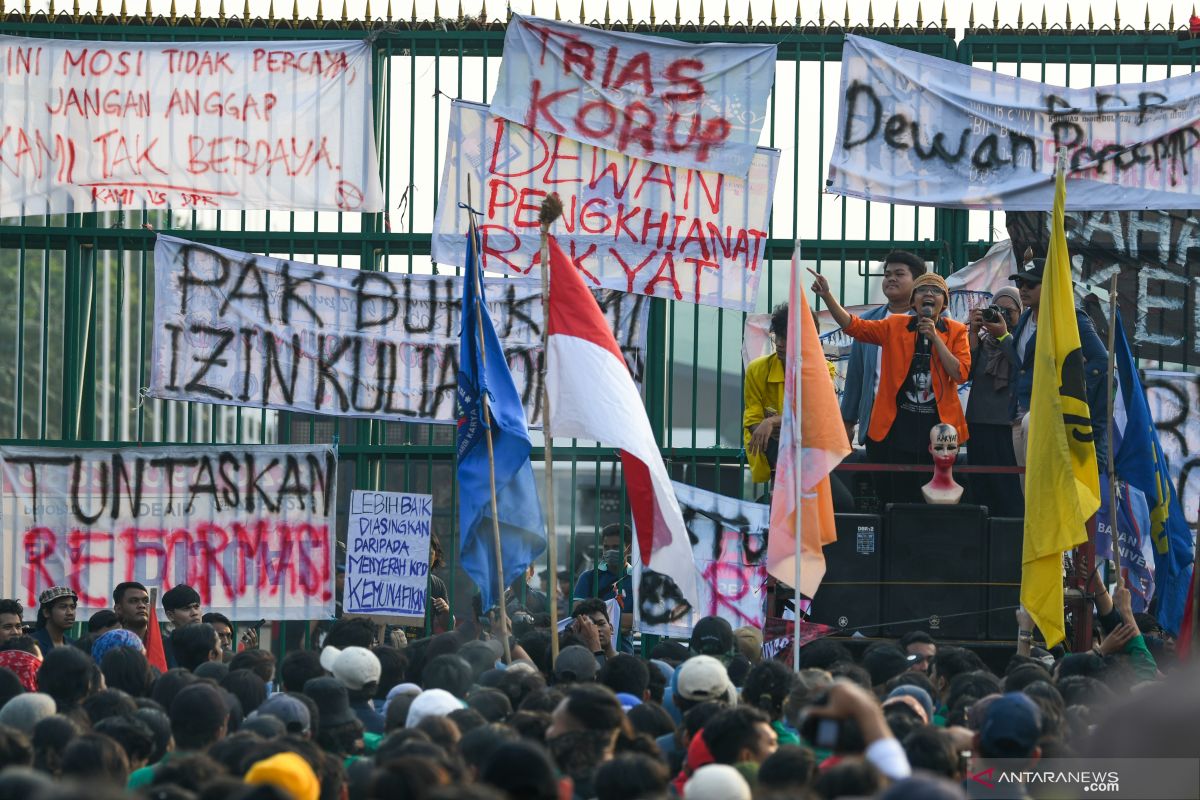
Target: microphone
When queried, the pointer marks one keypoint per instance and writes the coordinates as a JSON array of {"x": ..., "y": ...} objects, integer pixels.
[{"x": 926, "y": 313}]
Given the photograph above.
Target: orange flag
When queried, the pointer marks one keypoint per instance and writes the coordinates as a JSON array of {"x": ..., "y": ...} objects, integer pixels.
[
  {"x": 154, "y": 644},
  {"x": 806, "y": 460}
]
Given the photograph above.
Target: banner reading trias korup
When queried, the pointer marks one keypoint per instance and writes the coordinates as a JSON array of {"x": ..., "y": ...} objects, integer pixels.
[
  {"x": 923, "y": 130},
  {"x": 251, "y": 528},
  {"x": 628, "y": 223},
  {"x": 687, "y": 104},
  {"x": 246, "y": 330},
  {"x": 100, "y": 126}
]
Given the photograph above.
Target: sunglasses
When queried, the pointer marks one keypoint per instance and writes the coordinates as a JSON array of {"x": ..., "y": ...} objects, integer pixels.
[{"x": 1024, "y": 284}]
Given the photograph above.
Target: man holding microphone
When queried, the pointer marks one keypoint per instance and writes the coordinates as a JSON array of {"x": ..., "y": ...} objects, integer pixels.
[{"x": 924, "y": 359}]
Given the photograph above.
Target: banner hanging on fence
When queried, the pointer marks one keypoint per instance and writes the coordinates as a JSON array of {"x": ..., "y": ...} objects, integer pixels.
[
  {"x": 251, "y": 528},
  {"x": 729, "y": 544},
  {"x": 927, "y": 131},
  {"x": 629, "y": 224},
  {"x": 691, "y": 105},
  {"x": 1174, "y": 400},
  {"x": 246, "y": 330},
  {"x": 103, "y": 126},
  {"x": 387, "y": 553},
  {"x": 1156, "y": 257}
]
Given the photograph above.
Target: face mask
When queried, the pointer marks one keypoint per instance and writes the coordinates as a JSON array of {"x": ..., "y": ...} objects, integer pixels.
[{"x": 613, "y": 560}]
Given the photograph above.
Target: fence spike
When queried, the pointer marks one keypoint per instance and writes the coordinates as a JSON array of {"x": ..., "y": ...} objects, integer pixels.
[
  {"x": 774, "y": 16},
  {"x": 557, "y": 13},
  {"x": 971, "y": 18},
  {"x": 222, "y": 11},
  {"x": 1091, "y": 19},
  {"x": 1044, "y": 22},
  {"x": 920, "y": 16},
  {"x": 271, "y": 14},
  {"x": 945, "y": 19},
  {"x": 896, "y": 17},
  {"x": 1171, "y": 20},
  {"x": 846, "y": 18},
  {"x": 870, "y": 13},
  {"x": 346, "y": 18},
  {"x": 996, "y": 16},
  {"x": 678, "y": 18},
  {"x": 581, "y": 22},
  {"x": 28, "y": 10},
  {"x": 295, "y": 13},
  {"x": 414, "y": 13},
  {"x": 367, "y": 13},
  {"x": 1068, "y": 16},
  {"x": 196, "y": 13},
  {"x": 52, "y": 12},
  {"x": 320, "y": 10},
  {"x": 653, "y": 16},
  {"x": 1116, "y": 18},
  {"x": 245, "y": 11},
  {"x": 628, "y": 13},
  {"x": 148, "y": 14},
  {"x": 749, "y": 17},
  {"x": 607, "y": 13},
  {"x": 701, "y": 13},
  {"x": 1021, "y": 17},
  {"x": 124, "y": 11},
  {"x": 1146, "y": 21},
  {"x": 727, "y": 13},
  {"x": 797, "y": 13},
  {"x": 820, "y": 13},
  {"x": 74, "y": 11},
  {"x": 460, "y": 11},
  {"x": 99, "y": 12}
]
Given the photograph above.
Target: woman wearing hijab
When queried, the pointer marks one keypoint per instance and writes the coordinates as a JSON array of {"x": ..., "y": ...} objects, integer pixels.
[{"x": 988, "y": 407}]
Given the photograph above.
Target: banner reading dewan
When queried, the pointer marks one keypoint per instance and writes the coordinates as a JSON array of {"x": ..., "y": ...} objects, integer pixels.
[
  {"x": 246, "y": 330},
  {"x": 629, "y": 224},
  {"x": 922, "y": 130},
  {"x": 97, "y": 126},
  {"x": 251, "y": 528}
]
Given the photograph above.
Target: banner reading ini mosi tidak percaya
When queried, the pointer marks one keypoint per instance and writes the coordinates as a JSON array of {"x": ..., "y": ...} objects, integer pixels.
[{"x": 251, "y": 528}]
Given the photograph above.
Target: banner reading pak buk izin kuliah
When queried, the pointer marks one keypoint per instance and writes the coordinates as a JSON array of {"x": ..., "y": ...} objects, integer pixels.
[
  {"x": 251, "y": 528},
  {"x": 629, "y": 223},
  {"x": 98, "y": 126}
]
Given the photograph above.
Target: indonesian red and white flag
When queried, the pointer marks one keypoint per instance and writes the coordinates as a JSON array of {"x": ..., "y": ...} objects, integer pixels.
[
  {"x": 593, "y": 396},
  {"x": 812, "y": 441}
]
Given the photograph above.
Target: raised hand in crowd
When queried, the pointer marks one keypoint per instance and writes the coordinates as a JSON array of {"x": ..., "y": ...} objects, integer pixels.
[{"x": 1115, "y": 642}]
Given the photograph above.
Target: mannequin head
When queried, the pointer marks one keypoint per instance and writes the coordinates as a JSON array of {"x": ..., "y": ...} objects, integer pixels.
[{"x": 943, "y": 444}]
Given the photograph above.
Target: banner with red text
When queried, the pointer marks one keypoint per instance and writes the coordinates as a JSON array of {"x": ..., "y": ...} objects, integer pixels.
[
  {"x": 99, "y": 126},
  {"x": 251, "y": 528},
  {"x": 729, "y": 545},
  {"x": 700, "y": 106},
  {"x": 629, "y": 224}
]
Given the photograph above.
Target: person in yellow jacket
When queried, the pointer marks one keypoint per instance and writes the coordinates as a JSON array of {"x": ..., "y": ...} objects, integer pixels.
[{"x": 763, "y": 391}]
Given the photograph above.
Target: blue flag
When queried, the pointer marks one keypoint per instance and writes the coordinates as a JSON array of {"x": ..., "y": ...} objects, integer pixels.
[
  {"x": 1142, "y": 464},
  {"x": 522, "y": 532}
]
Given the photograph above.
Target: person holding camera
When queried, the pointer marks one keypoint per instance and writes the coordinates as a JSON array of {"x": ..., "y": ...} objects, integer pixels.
[{"x": 991, "y": 397}]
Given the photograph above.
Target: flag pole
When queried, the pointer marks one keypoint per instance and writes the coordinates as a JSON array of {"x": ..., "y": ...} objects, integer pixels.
[
  {"x": 1112, "y": 455},
  {"x": 551, "y": 210},
  {"x": 798, "y": 461},
  {"x": 487, "y": 432}
]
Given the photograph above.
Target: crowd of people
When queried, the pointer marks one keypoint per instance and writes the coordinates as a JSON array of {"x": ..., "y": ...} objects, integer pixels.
[
  {"x": 907, "y": 362},
  {"x": 444, "y": 716}
]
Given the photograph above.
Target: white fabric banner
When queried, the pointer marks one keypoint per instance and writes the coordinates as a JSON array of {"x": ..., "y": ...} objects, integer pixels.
[
  {"x": 926, "y": 131},
  {"x": 629, "y": 224},
  {"x": 1174, "y": 399},
  {"x": 246, "y": 330},
  {"x": 729, "y": 545},
  {"x": 686, "y": 104},
  {"x": 251, "y": 528},
  {"x": 101, "y": 126}
]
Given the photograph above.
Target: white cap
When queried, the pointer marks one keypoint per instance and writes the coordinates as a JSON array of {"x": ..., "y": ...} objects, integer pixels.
[
  {"x": 354, "y": 667},
  {"x": 717, "y": 782},
  {"x": 431, "y": 703}
]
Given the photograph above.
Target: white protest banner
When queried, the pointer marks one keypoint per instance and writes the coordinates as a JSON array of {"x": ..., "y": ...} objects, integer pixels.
[
  {"x": 99, "y": 126},
  {"x": 629, "y": 224},
  {"x": 262, "y": 332},
  {"x": 248, "y": 527},
  {"x": 1174, "y": 399},
  {"x": 729, "y": 543},
  {"x": 926, "y": 131},
  {"x": 387, "y": 553},
  {"x": 694, "y": 105}
]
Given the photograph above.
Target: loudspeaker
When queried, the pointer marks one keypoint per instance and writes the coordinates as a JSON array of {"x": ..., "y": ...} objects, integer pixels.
[
  {"x": 933, "y": 571},
  {"x": 1005, "y": 538},
  {"x": 848, "y": 598}
]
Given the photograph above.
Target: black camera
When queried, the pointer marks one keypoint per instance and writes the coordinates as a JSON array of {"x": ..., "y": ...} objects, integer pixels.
[
  {"x": 992, "y": 314},
  {"x": 836, "y": 735}
]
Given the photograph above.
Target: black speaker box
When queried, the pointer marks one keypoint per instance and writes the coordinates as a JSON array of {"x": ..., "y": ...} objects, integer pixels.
[
  {"x": 934, "y": 577},
  {"x": 1005, "y": 538},
  {"x": 849, "y": 597}
]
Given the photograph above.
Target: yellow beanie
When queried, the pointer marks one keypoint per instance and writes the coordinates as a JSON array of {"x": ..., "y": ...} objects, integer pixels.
[{"x": 290, "y": 773}]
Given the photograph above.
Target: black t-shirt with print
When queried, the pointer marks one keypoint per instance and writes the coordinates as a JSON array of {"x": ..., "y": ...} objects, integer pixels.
[{"x": 916, "y": 405}]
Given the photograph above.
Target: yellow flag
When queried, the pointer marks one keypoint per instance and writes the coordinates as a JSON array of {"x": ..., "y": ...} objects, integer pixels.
[{"x": 1062, "y": 483}]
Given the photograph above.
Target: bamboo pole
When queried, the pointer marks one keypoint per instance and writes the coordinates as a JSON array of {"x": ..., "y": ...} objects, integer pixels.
[
  {"x": 550, "y": 211},
  {"x": 796, "y": 353},
  {"x": 487, "y": 432},
  {"x": 1112, "y": 456}
]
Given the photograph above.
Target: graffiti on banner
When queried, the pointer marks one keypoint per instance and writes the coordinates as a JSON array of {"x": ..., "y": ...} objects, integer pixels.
[
  {"x": 923, "y": 130},
  {"x": 387, "y": 553},
  {"x": 629, "y": 224},
  {"x": 99, "y": 126},
  {"x": 778, "y": 634},
  {"x": 256, "y": 331},
  {"x": 729, "y": 544},
  {"x": 1174, "y": 399},
  {"x": 249, "y": 527},
  {"x": 1135, "y": 544},
  {"x": 699, "y": 106},
  {"x": 1156, "y": 258}
]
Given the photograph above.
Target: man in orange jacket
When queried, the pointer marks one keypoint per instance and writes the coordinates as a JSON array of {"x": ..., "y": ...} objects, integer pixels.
[{"x": 925, "y": 358}]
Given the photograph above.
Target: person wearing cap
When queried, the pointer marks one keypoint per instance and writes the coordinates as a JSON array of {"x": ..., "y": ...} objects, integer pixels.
[
  {"x": 339, "y": 731},
  {"x": 924, "y": 359},
  {"x": 56, "y": 616},
  {"x": 1012, "y": 727},
  {"x": 1022, "y": 346},
  {"x": 287, "y": 772},
  {"x": 358, "y": 669},
  {"x": 988, "y": 411},
  {"x": 900, "y": 269},
  {"x": 290, "y": 711}
]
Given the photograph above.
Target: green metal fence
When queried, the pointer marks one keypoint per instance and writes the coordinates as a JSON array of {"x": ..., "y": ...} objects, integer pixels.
[{"x": 76, "y": 291}]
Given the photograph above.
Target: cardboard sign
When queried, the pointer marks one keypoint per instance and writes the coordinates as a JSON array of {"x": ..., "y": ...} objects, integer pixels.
[{"x": 387, "y": 553}]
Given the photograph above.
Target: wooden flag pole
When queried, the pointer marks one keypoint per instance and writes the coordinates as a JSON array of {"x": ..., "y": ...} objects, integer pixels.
[
  {"x": 798, "y": 462},
  {"x": 487, "y": 432},
  {"x": 550, "y": 211},
  {"x": 1112, "y": 455}
]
